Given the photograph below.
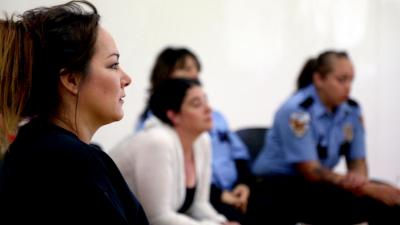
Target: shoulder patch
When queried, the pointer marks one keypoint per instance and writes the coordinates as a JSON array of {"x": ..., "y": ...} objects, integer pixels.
[
  {"x": 307, "y": 103},
  {"x": 299, "y": 123},
  {"x": 361, "y": 120},
  {"x": 348, "y": 132},
  {"x": 352, "y": 102}
]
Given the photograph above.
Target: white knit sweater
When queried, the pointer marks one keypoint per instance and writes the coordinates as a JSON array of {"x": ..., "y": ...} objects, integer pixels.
[{"x": 152, "y": 164}]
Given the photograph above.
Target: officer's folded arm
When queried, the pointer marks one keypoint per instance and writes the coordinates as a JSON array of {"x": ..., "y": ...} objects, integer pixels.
[{"x": 313, "y": 171}]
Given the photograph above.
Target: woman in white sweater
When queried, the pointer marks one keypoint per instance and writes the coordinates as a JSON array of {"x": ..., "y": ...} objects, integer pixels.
[{"x": 168, "y": 164}]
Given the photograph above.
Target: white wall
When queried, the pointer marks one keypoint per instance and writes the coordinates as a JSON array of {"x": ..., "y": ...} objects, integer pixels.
[{"x": 252, "y": 51}]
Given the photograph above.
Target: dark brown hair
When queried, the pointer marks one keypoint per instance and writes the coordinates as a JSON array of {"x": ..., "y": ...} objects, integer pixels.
[
  {"x": 169, "y": 95},
  {"x": 167, "y": 61},
  {"x": 323, "y": 65},
  {"x": 35, "y": 49}
]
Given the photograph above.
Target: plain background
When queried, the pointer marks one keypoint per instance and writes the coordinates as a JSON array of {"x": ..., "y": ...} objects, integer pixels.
[{"x": 252, "y": 51}]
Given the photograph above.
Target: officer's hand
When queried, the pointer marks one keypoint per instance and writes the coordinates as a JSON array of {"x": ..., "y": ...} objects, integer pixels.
[
  {"x": 385, "y": 193},
  {"x": 354, "y": 182},
  {"x": 230, "y": 198},
  {"x": 242, "y": 191}
]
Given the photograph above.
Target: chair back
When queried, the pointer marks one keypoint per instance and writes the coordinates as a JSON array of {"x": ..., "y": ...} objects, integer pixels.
[{"x": 253, "y": 138}]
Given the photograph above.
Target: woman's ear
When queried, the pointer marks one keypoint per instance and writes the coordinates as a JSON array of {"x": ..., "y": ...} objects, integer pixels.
[
  {"x": 317, "y": 79},
  {"x": 70, "y": 81},
  {"x": 173, "y": 116}
]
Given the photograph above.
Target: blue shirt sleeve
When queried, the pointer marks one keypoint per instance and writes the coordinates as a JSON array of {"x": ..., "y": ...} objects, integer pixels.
[
  {"x": 142, "y": 120},
  {"x": 297, "y": 138},
  {"x": 357, "y": 149},
  {"x": 226, "y": 148},
  {"x": 237, "y": 148}
]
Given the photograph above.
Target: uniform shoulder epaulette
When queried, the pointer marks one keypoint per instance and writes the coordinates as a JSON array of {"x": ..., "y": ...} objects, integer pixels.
[
  {"x": 352, "y": 102},
  {"x": 307, "y": 103}
]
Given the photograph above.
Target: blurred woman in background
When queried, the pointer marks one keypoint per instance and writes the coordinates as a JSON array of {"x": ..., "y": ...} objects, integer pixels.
[{"x": 168, "y": 163}]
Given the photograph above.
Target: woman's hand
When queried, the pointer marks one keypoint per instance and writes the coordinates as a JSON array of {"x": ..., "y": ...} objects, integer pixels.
[
  {"x": 242, "y": 192},
  {"x": 230, "y": 223},
  {"x": 228, "y": 197},
  {"x": 238, "y": 197}
]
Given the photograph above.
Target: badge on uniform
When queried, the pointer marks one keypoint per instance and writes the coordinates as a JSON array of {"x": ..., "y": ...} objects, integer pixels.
[
  {"x": 348, "y": 132},
  {"x": 361, "y": 120},
  {"x": 299, "y": 123}
]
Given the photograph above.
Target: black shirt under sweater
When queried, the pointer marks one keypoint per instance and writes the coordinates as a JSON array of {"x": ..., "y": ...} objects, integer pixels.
[{"x": 188, "y": 199}]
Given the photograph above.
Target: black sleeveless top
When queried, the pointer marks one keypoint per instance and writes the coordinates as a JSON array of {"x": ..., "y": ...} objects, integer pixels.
[{"x": 188, "y": 199}]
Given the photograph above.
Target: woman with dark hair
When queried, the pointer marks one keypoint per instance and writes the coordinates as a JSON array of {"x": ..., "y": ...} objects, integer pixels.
[
  {"x": 231, "y": 176},
  {"x": 59, "y": 73},
  {"x": 170, "y": 63},
  {"x": 168, "y": 163},
  {"x": 178, "y": 62},
  {"x": 322, "y": 64},
  {"x": 312, "y": 131}
]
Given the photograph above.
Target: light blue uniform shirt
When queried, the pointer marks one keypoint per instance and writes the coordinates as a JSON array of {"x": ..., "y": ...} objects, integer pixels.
[
  {"x": 226, "y": 148},
  {"x": 304, "y": 130}
]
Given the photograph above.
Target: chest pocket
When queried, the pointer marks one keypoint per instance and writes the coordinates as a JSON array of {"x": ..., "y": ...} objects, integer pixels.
[{"x": 344, "y": 149}]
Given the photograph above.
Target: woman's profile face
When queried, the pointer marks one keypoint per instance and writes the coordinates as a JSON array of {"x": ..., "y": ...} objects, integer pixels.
[
  {"x": 336, "y": 86},
  {"x": 102, "y": 92},
  {"x": 195, "y": 114}
]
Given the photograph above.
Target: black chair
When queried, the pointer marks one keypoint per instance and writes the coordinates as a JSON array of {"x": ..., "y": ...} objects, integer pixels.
[{"x": 253, "y": 138}]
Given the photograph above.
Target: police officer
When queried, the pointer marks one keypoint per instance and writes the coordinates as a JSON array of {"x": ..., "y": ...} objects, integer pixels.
[
  {"x": 312, "y": 130},
  {"x": 231, "y": 177}
]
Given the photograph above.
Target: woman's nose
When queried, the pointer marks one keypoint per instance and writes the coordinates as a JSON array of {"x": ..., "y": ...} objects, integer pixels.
[{"x": 126, "y": 79}]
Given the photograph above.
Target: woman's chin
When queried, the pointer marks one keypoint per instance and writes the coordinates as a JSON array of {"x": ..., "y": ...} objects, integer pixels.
[
  {"x": 119, "y": 117},
  {"x": 116, "y": 117},
  {"x": 209, "y": 127}
]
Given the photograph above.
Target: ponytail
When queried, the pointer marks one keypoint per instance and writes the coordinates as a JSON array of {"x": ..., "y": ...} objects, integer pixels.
[
  {"x": 322, "y": 65},
  {"x": 15, "y": 75},
  {"x": 306, "y": 75}
]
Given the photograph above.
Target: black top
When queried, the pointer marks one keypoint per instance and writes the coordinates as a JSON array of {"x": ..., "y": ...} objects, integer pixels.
[
  {"x": 49, "y": 176},
  {"x": 188, "y": 199}
]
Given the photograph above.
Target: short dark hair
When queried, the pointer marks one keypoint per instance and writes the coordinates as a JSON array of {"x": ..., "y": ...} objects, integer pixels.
[{"x": 169, "y": 95}]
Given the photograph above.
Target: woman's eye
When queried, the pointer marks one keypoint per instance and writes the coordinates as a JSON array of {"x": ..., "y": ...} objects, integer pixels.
[
  {"x": 115, "y": 66},
  {"x": 343, "y": 79},
  {"x": 197, "y": 104}
]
